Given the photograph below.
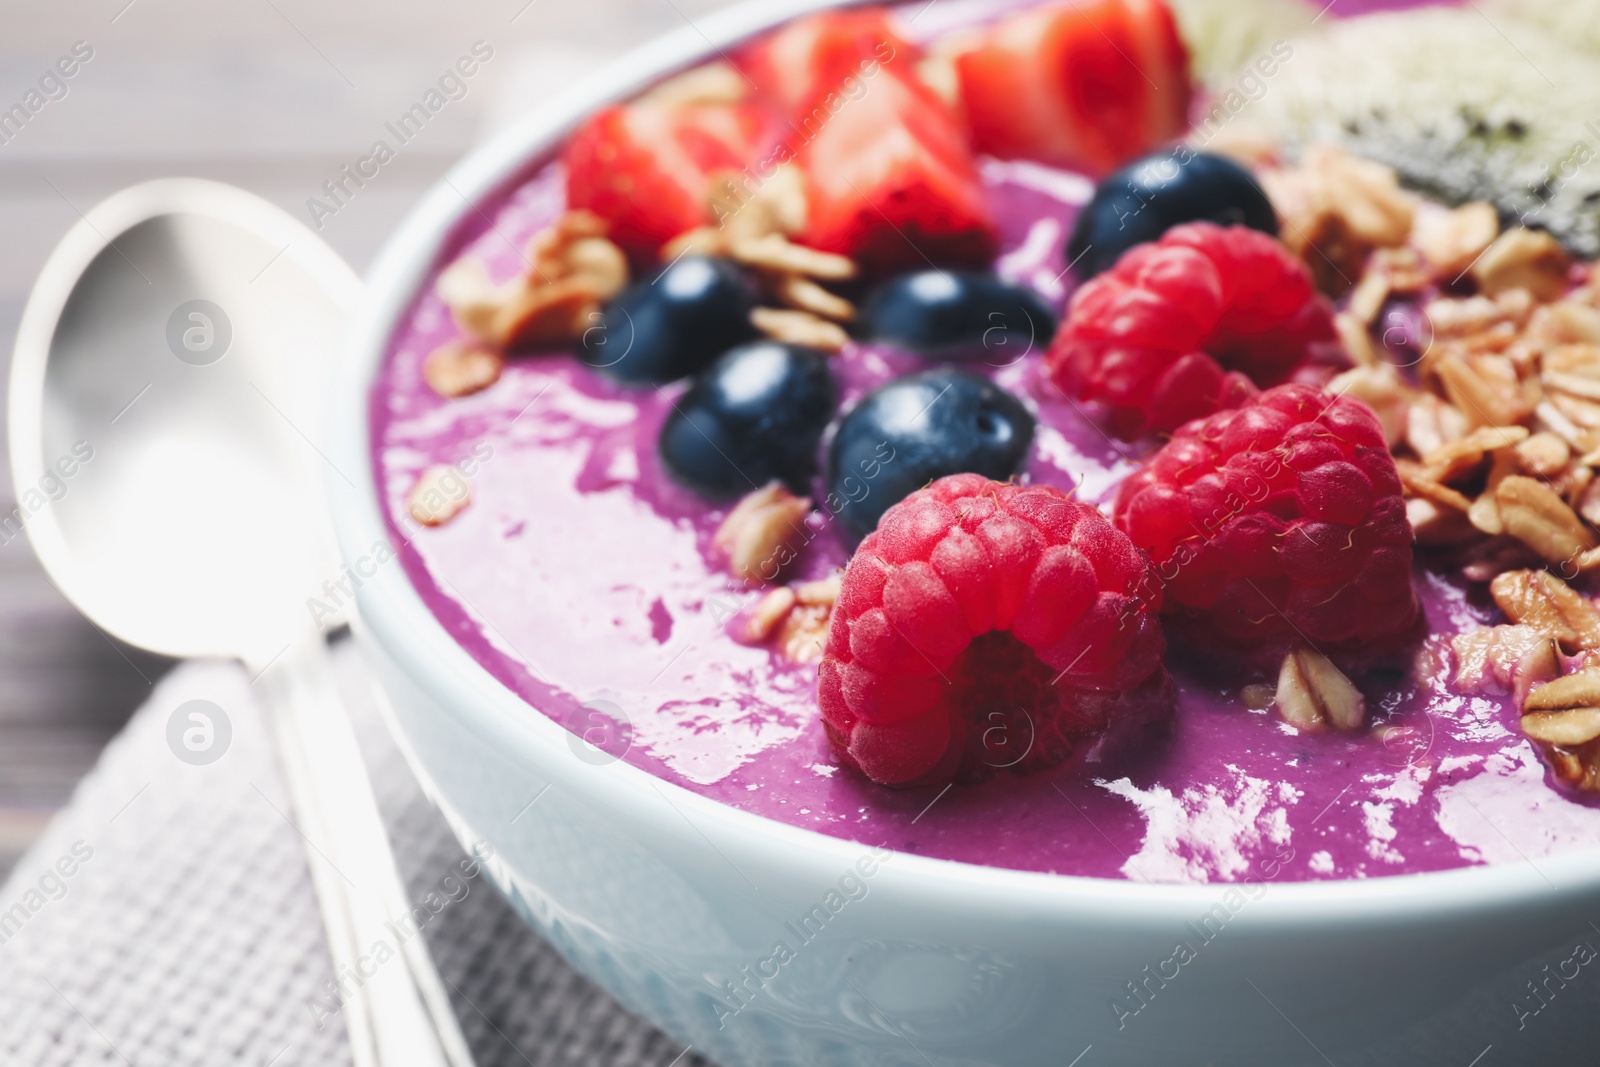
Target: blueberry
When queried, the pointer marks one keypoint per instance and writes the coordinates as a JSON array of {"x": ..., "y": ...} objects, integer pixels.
[
  {"x": 755, "y": 414},
  {"x": 914, "y": 429},
  {"x": 958, "y": 314},
  {"x": 674, "y": 324},
  {"x": 1151, "y": 195},
  {"x": 1404, "y": 331}
]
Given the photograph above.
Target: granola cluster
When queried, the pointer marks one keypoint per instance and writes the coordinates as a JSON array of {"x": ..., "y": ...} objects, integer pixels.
[
  {"x": 1336, "y": 209},
  {"x": 756, "y": 541},
  {"x": 1552, "y": 627},
  {"x": 1496, "y": 425},
  {"x": 1563, "y": 717},
  {"x": 571, "y": 269},
  {"x": 1479, "y": 348},
  {"x": 794, "y": 619}
]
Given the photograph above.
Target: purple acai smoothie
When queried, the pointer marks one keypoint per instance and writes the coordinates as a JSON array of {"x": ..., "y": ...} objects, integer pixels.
[{"x": 580, "y": 574}]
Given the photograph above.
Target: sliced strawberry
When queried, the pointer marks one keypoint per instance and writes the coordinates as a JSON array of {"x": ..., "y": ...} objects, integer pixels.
[
  {"x": 890, "y": 177},
  {"x": 892, "y": 185},
  {"x": 798, "y": 65},
  {"x": 647, "y": 167},
  {"x": 1088, "y": 84}
]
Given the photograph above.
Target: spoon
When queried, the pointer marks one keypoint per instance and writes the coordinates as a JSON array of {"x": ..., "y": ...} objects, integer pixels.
[{"x": 166, "y": 395}]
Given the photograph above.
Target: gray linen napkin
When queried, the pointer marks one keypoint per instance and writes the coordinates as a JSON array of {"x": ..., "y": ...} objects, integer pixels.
[{"x": 166, "y": 918}]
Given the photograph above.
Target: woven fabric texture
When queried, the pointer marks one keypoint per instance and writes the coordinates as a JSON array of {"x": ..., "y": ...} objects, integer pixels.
[{"x": 167, "y": 918}]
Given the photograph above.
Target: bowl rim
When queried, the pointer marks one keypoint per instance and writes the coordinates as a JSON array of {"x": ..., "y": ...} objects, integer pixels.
[{"x": 393, "y": 613}]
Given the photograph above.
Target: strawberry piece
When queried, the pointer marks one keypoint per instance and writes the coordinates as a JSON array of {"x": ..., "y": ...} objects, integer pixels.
[
  {"x": 986, "y": 627},
  {"x": 890, "y": 177},
  {"x": 892, "y": 186},
  {"x": 800, "y": 64},
  {"x": 647, "y": 168},
  {"x": 1088, "y": 85}
]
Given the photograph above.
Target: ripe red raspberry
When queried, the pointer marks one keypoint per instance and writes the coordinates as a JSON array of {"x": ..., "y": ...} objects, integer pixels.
[
  {"x": 1187, "y": 325},
  {"x": 1276, "y": 524},
  {"x": 984, "y": 627}
]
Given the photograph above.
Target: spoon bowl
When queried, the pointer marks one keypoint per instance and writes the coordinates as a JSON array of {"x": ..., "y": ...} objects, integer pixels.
[{"x": 164, "y": 408}]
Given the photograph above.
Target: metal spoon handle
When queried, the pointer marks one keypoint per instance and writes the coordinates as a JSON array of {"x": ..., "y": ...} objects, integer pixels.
[{"x": 394, "y": 1008}]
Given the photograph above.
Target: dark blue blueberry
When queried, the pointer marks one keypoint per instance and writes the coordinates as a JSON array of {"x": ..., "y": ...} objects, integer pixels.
[
  {"x": 1151, "y": 195},
  {"x": 674, "y": 324},
  {"x": 755, "y": 414},
  {"x": 958, "y": 314},
  {"x": 915, "y": 429}
]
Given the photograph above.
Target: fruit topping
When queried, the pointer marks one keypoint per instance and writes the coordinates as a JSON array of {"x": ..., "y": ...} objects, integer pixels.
[
  {"x": 1150, "y": 196},
  {"x": 1085, "y": 85},
  {"x": 818, "y": 64},
  {"x": 674, "y": 324},
  {"x": 894, "y": 186},
  {"x": 958, "y": 314},
  {"x": 1188, "y": 325},
  {"x": 1277, "y": 524},
  {"x": 649, "y": 166},
  {"x": 754, "y": 416},
  {"x": 986, "y": 626},
  {"x": 890, "y": 177},
  {"x": 914, "y": 429},
  {"x": 572, "y": 268}
]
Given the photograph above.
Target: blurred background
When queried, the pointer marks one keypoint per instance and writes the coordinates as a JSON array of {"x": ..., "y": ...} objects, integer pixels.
[{"x": 271, "y": 95}]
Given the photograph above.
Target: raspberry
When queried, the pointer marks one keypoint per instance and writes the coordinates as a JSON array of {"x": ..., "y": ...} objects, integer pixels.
[
  {"x": 1187, "y": 325},
  {"x": 1278, "y": 523},
  {"x": 985, "y": 627}
]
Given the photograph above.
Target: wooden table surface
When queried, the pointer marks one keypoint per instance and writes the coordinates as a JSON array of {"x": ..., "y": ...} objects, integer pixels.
[{"x": 271, "y": 95}]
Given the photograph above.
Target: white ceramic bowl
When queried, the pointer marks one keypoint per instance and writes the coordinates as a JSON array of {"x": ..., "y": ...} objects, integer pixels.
[{"x": 676, "y": 904}]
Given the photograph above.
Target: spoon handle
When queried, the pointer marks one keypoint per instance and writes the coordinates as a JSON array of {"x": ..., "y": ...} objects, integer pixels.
[{"x": 388, "y": 991}]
